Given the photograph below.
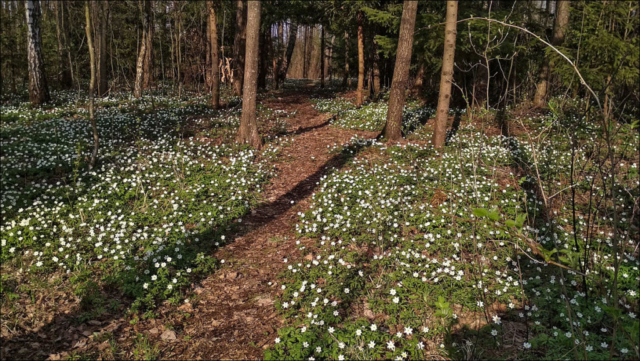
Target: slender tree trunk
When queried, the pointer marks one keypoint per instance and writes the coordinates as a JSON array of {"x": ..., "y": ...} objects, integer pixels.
[
  {"x": 147, "y": 81},
  {"x": 291, "y": 43},
  {"x": 360, "y": 90},
  {"x": 138, "y": 86},
  {"x": 346, "y": 80},
  {"x": 92, "y": 82},
  {"x": 393, "y": 128},
  {"x": 304, "y": 52},
  {"x": 446, "y": 76},
  {"x": 330, "y": 59},
  {"x": 322, "y": 56},
  {"x": 103, "y": 83},
  {"x": 248, "y": 131},
  {"x": 376, "y": 69},
  {"x": 38, "y": 90},
  {"x": 65, "y": 73},
  {"x": 215, "y": 58},
  {"x": 239, "y": 46},
  {"x": 265, "y": 39},
  {"x": 559, "y": 30},
  {"x": 277, "y": 56}
]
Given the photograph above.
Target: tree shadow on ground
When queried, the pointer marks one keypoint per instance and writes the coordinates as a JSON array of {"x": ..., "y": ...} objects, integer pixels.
[{"x": 103, "y": 311}]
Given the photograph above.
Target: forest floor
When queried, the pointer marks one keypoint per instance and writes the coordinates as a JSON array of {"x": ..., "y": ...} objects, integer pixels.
[{"x": 233, "y": 315}]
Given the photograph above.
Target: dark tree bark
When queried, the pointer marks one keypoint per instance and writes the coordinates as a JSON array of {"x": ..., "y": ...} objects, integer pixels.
[
  {"x": 446, "y": 76},
  {"x": 65, "y": 77},
  {"x": 239, "y": 46},
  {"x": 92, "y": 82},
  {"x": 38, "y": 90},
  {"x": 360, "y": 90},
  {"x": 248, "y": 131},
  {"x": 291, "y": 43},
  {"x": 322, "y": 56},
  {"x": 103, "y": 82},
  {"x": 393, "y": 128},
  {"x": 346, "y": 80},
  {"x": 277, "y": 56},
  {"x": 147, "y": 80},
  {"x": 138, "y": 85},
  {"x": 376, "y": 69},
  {"x": 214, "y": 55},
  {"x": 265, "y": 40},
  {"x": 559, "y": 29}
]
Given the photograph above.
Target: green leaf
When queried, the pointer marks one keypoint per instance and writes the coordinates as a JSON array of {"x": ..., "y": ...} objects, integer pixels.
[
  {"x": 480, "y": 212},
  {"x": 510, "y": 223}
]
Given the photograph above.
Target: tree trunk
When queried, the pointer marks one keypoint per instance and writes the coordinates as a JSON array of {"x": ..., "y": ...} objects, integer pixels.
[
  {"x": 322, "y": 55},
  {"x": 360, "y": 90},
  {"x": 277, "y": 56},
  {"x": 38, "y": 90},
  {"x": 559, "y": 30},
  {"x": 419, "y": 83},
  {"x": 138, "y": 86},
  {"x": 265, "y": 39},
  {"x": 346, "y": 81},
  {"x": 330, "y": 58},
  {"x": 248, "y": 131},
  {"x": 215, "y": 58},
  {"x": 64, "y": 78},
  {"x": 393, "y": 128},
  {"x": 376, "y": 69},
  {"x": 103, "y": 83},
  {"x": 446, "y": 76},
  {"x": 291, "y": 43},
  {"x": 239, "y": 45},
  {"x": 147, "y": 81},
  {"x": 92, "y": 82}
]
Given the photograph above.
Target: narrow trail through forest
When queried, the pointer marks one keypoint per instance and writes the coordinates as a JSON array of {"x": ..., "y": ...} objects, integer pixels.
[{"x": 235, "y": 317}]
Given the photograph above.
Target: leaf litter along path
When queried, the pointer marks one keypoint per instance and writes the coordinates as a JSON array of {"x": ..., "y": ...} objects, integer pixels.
[{"x": 235, "y": 317}]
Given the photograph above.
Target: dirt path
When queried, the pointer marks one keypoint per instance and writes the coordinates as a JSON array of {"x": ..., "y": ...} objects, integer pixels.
[{"x": 235, "y": 317}]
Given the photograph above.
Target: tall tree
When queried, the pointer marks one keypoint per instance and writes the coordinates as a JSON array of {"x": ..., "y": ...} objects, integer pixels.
[
  {"x": 376, "y": 68},
  {"x": 239, "y": 46},
  {"x": 147, "y": 73},
  {"x": 277, "y": 56},
  {"x": 393, "y": 128},
  {"x": 38, "y": 90},
  {"x": 346, "y": 81},
  {"x": 360, "y": 90},
  {"x": 291, "y": 44},
  {"x": 322, "y": 56},
  {"x": 103, "y": 83},
  {"x": 215, "y": 58},
  {"x": 446, "y": 76},
  {"x": 248, "y": 131},
  {"x": 92, "y": 82},
  {"x": 559, "y": 31},
  {"x": 65, "y": 77},
  {"x": 138, "y": 85}
]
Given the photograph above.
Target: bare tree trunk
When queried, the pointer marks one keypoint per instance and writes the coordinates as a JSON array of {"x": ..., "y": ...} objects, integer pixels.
[
  {"x": 265, "y": 39},
  {"x": 322, "y": 55},
  {"x": 376, "y": 69},
  {"x": 92, "y": 82},
  {"x": 239, "y": 45},
  {"x": 559, "y": 30},
  {"x": 330, "y": 58},
  {"x": 360, "y": 90},
  {"x": 446, "y": 76},
  {"x": 277, "y": 56},
  {"x": 291, "y": 43},
  {"x": 346, "y": 81},
  {"x": 215, "y": 58},
  {"x": 138, "y": 86},
  {"x": 393, "y": 128},
  {"x": 248, "y": 131},
  {"x": 418, "y": 84},
  {"x": 38, "y": 90},
  {"x": 147, "y": 81},
  {"x": 65, "y": 78},
  {"x": 103, "y": 83}
]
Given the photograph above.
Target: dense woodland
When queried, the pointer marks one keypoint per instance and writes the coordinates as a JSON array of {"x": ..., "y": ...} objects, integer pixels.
[{"x": 329, "y": 179}]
